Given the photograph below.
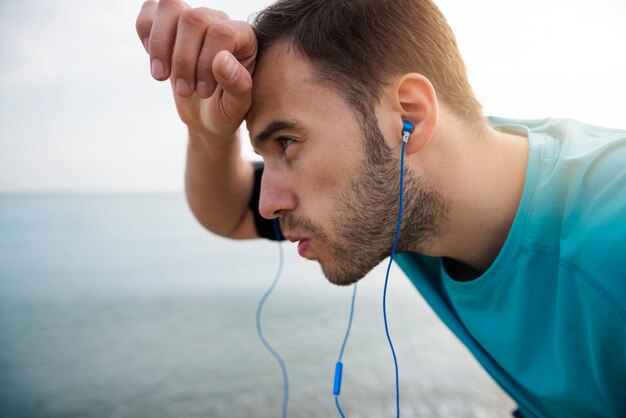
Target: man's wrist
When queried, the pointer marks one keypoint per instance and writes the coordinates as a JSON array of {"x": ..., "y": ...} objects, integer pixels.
[{"x": 212, "y": 142}]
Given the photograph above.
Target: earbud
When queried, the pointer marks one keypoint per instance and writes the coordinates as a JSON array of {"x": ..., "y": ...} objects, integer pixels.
[{"x": 407, "y": 129}]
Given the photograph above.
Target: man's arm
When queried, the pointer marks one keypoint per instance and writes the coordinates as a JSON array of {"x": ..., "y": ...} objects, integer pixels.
[
  {"x": 219, "y": 184},
  {"x": 209, "y": 60}
]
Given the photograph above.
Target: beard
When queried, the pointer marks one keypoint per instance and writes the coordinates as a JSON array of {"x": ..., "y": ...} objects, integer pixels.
[{"x": 365, "y": 214}]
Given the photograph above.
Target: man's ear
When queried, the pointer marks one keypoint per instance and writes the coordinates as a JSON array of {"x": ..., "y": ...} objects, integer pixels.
[{"x": 413, "y": 98}]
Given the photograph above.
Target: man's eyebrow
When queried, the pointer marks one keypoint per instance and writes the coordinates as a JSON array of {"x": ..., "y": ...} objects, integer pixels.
[{"x": 273, "y": 126}]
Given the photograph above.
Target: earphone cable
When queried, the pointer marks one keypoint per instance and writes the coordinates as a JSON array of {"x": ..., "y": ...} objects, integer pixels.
[
  {"x": 393, "y": 252},
  {"x": 267, "y": 345},
  {"x": 339, "y": 366}
]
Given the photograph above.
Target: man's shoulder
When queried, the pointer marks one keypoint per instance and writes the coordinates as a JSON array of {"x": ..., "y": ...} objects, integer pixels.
[
  {"x": 578, "y": 208},
  {"x": 588, "y": 171},
  {"x": 558, "y": 127},
  {"x": 577, "y": 167}
]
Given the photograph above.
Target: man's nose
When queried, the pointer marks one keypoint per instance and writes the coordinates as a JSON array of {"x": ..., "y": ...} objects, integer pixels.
[{"x": 276, "y": 197}]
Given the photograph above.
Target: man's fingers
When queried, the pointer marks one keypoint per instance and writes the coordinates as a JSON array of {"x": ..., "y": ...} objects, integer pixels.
[
  {"x": 143, "y": 24},
  {"x": 224, "y": 35},
  {"x": 192, "y": 26},
  {"x": 163, "y": 36},
  {"x": 183, "y": 43},
  {"x": 245, "y": 43},
  {"x": 236, "y": 82}
]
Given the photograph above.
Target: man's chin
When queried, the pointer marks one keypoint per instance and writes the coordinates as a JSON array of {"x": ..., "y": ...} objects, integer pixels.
[{"x": 340, "y": 277}]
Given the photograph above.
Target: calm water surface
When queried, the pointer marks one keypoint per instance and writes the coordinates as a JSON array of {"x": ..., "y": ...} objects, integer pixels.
[{"x": 123, "y": 306}]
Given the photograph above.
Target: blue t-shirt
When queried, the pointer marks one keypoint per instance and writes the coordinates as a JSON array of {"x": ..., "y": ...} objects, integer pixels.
[{"x": 547, "y": 320}]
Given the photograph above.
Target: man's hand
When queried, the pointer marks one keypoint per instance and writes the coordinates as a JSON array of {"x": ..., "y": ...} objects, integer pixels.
[{"x": 209, "y": 60}]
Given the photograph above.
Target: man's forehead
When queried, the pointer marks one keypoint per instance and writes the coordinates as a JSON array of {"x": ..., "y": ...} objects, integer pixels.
[{"x": 280, "y": 82}]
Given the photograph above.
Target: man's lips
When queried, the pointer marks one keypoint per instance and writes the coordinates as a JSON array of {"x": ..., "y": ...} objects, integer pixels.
[
  {"x": 303, "y": 247},
  {"x": 303, "y": 243}
]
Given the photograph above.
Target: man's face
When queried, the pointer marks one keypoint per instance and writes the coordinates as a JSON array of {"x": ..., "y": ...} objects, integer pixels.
[{"x": 339, "y": 206}]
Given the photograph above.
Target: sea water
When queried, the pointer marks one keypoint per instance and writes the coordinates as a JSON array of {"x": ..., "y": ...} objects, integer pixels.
[{"x": 124, "y": 306}]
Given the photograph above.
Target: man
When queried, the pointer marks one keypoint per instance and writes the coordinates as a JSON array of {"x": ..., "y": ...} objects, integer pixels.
[{"x": 513, "y": 231}]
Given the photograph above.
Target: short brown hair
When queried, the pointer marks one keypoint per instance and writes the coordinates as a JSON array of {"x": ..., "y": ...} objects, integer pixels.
[{"x": 359, "y": 45}]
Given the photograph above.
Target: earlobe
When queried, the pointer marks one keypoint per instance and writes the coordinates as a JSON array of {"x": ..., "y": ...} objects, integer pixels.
[{"x": 415, "y": 98}]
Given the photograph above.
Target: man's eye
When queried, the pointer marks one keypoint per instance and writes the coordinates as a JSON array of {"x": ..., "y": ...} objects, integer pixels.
[{"x": 285, "y": 141}]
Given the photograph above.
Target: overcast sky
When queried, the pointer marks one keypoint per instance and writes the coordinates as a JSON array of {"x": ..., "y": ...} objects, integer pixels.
[{"x": 80, "y": 112}]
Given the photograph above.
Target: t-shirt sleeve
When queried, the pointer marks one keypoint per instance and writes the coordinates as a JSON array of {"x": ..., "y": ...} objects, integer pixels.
[{"x": 266, "y": 228}]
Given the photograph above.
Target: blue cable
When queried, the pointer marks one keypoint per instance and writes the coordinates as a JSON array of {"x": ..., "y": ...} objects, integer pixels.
[
  {"x": 345, "y": 340},
  {"x": 393, "y": 252},
  {"x": 339, "y": 365},
  {"x": 267, "y": 345},
  {"x": 407, "y": 129},
  {"x": 338, "y": 407}
]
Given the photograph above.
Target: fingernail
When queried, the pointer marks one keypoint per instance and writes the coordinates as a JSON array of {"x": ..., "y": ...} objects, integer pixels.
[
  {"x": 182, "y": 87},
  {"x": 145, "y": 44},
  {"x": 202, "y": 87},
  {"x": 158, "y": 70},
  {"x": 230, "y": 68}
]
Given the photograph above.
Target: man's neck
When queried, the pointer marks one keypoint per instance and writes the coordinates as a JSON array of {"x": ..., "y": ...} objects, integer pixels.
[{"x": 482, "y": 182}]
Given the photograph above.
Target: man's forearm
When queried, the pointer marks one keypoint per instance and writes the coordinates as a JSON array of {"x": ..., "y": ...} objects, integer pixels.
[{"x": 218, "y": 185}]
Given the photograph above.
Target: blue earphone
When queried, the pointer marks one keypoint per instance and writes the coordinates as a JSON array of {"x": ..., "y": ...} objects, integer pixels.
[{"x": 407, "y": 130}]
